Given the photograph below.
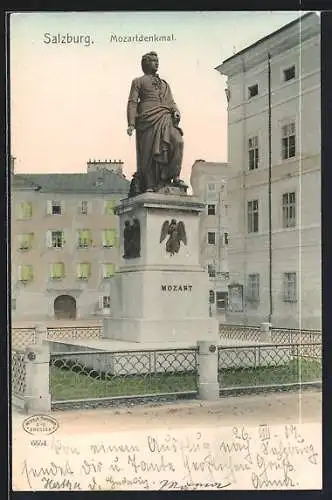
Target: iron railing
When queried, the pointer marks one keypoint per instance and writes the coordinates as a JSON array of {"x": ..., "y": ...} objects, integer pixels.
[
  {"x": 74, "y": 332},
  {"x": 18, "y": 378},
  {"x": 277, "y": 366},
  {"x": 87, "y": 376},
  {"x": 296, "y": 336},
  {"x": 278, "y": 335},
  {"x": 240, "y": 332},
  {"x": 22, "y": 337}
]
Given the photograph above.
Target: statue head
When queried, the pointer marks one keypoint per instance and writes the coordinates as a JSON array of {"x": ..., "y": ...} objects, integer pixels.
[{"x": 150, "y": 63}]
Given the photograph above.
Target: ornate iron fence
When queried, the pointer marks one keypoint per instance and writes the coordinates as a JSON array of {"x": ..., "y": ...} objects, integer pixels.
[
  {"x": 87, "y": 376},
  {"x": 18, "y": 373},
  {"x": 278, "y": 335},
  {"x": 74, "y": 332},
  {"x": 296, "y": 336},
  {"x": 22, "y": 337},
  {"x": 278, "y": 366},
  {"x": 240, "y": 332}
]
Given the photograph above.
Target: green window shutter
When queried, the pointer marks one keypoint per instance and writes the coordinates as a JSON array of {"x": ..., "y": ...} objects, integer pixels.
[
  {"x": 109, "y": 209},
  {"x": 84, "y": 270},
  {"x": 58, "y": 270},
  {"x": 109, "y": 237},
  {"x": 85, "y": 238},
  {"x": 109, "y": 270},
  {"x": 27, "y": 273}
]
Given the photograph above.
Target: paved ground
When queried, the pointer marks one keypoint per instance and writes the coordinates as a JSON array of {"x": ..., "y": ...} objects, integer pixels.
[
  {"x": 252, "y": 409},
  {"x": 215, "y": 421}
]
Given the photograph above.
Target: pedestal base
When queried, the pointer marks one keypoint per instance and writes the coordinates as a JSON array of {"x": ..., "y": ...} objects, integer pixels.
[{"x": 146, "y": 330}]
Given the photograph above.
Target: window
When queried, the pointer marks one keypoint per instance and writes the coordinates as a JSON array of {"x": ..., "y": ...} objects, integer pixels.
[
  {"x": 288, "y": 141},
  {"x": 211, "y": 296},
  {"x": 212, "y": 270},
  {"x": 253, "y": 288},
  {"x": 105, "y": 302},
  {"x": 211, "y": 186},
  {"x": 253, "y": 152},
  {"x": 57, "y": 239},
  {"x": 289, "y": 73},
  {"x": 83, "y": 271},
  {"x": 211, "y": 238},
  {"x": 108, "y": 270},
  {"x": 226, "y": 239},
  {"x": 211, "y": 210},
  {"x": 221, "y": 301},
  {"x": 25, "y": 241},
  {"x": 109, "y": 207},
  {"x": 253, "y": 216},
  {"x": 55, "y": 207},
  {"x": 109, "y": 238},
  {"x": 253, "y": 90},
  {"x": 24, "y": 210},
  {"x": 288, "y": 210},
  {"x": 84, "y": 207},
  {"x": 57, "y": 270},
  {"x": 84, "y": 238},
  {"x": 25, "y": 273},
  {"x": 290, "y": 294}
]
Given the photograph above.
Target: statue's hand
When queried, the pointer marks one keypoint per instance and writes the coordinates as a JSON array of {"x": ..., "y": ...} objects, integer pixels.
[
  {"x": 176, "y": 117},
  {"x": 130, "y": 130}
]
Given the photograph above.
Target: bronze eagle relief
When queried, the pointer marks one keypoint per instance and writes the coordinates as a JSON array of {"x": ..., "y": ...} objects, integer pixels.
[{"x": 176, "y": 232}]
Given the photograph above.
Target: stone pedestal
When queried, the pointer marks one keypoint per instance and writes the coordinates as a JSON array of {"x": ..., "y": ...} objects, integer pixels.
[{"x": 157, "y": 296}]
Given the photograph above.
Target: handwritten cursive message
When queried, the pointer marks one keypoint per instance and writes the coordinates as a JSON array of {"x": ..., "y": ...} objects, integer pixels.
[{"x": 239, "y": 457}]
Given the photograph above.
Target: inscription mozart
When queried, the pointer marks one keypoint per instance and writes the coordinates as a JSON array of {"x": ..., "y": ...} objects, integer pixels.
[{"x": 176, "y": 288}]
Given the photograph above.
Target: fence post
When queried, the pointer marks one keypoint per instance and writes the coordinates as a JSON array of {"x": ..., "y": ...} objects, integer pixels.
[
  {"x": 41, "y": 334},
  {"x": 208, "y": 385},
  {"x": 266, "y": 332},
  {"x": 37, "y": 395}
]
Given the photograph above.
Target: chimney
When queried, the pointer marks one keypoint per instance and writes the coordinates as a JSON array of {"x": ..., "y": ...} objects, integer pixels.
[{"x": 105, "y": 165}]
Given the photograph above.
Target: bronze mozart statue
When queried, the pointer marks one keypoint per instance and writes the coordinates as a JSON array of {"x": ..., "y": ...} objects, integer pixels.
[{"x": 154, "y": 116}]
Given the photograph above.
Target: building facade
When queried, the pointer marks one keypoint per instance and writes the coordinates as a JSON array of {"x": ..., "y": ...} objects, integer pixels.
[
  {"x": 208, "y": 181},
  {"x": 65, "y": 242},
  {"x": 274, "y": 143}
]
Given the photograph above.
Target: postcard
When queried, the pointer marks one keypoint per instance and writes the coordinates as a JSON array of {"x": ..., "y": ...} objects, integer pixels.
[{"x": 165, "y": 251}]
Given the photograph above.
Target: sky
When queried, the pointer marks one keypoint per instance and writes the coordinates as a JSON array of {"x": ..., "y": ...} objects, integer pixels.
[{"x": 68, "y": 101}]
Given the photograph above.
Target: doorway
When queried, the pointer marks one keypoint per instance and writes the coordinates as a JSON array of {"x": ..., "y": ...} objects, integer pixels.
[{"x": 65, "y": 307}]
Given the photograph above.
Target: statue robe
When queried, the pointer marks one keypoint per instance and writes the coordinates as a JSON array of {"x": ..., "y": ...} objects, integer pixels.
[{"x": 159, "y": 143}]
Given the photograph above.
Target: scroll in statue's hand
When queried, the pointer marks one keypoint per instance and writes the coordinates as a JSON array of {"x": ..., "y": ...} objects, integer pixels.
[{"x": 130, "y": 130}]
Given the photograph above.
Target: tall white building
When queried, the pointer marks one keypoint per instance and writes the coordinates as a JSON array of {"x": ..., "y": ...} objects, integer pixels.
[
  {"x": 208, "y": 181},
  {"x": 274, "y": 184}
]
